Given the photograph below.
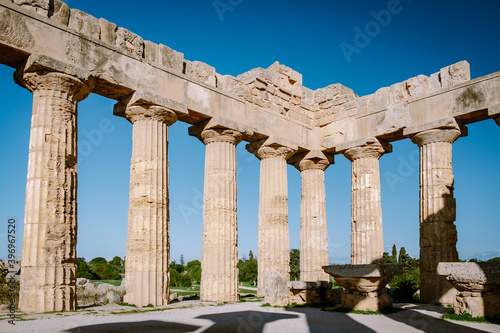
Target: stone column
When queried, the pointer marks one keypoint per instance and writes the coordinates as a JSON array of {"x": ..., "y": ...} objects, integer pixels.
[
  {"x": 147, "y": 255},
  {"x": 438, "y": 234},
  {"x": 313, "y": 227},
  {"x": 273, "y": 239},
  {"x": 367, "y": 242},
  {"x": 219, "y": 252},
  {"x": 48, "y": 259}
]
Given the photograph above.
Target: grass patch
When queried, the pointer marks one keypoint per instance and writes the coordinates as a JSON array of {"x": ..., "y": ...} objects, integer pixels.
[
  {"x": 363, "y": 312},
  {"x": 136, "y": 311},
  {"x": 112, "y": 282},
  {"x": 126, "y": 304},
  {"x": 468, "y": 317},
  {"x": 265, "y": 305},
  {"x": 247, "y": 291}
]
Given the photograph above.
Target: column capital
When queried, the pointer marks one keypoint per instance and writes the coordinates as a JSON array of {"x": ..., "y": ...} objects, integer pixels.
[
  {"x": 313, "y": 160},
  {"x": 435, "y": 135},
  {"x": 135, "y": 113},
  {"x": 266, "y": 148},
  {"x": 370, "y": 150},
  {"x": 42, "y": 73},
  {"x": 142, "y": 105},
  {"x": 220, "y": 135}
]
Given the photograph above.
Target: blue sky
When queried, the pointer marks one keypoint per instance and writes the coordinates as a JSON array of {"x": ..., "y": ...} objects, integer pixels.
[{"x": 420, "y": 38}]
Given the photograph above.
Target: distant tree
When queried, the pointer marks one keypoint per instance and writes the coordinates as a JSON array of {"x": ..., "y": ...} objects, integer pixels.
[
  {"x": 394, "y": 254},
  {"x": 250, "y": 255},
  {"x": 109, "y": 273},
  {"x": 194, "y": 273},
  {"x": 97, "y": 261},
  {"x": 117, "y": 261},
  {"x": 496, "y": 259},
  {"x": 474, "y": 260},
  {"x": 402, "y": 255},
  {"x": 179, "y": 268},
  {"x": 294, "y": 264},
  {"x": 83, "y": 270},
  {"x": 193, "y": 263},
  {"x": 182, "y": 259}
]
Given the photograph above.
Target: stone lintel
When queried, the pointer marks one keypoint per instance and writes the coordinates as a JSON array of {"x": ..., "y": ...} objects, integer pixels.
[
  {"x": 365, "y": 142},
  {"x": 144, "y": 98},
  {"x": 41, "y": 62},
  {"x": 313, "y": 159},
  {"x": 443, "y": 123}
]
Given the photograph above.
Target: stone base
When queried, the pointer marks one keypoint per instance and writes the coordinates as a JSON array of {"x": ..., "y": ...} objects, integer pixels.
[
  {"x": 320, "y": 292},
  {"x": 366, "y": 301},
  {"x": 275, "y": 289},
  {"x": 477, "y": 304}
]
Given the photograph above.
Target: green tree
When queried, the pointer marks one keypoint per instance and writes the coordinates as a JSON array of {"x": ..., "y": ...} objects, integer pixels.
[
  {"x": 179, "y": 268},
  {"x": 117, "y": 261},
  {"x": 97, "y": 261},
  {"x": 394, "y": 254},
  {"x": 83, "y": 270},
  {"x": 193, "y": 263},
  {"x": 294, "y": 264},
  {"x": 109, "y": 273},
  {"x": 182, "y": 259},
  {"x": 496, "y": 259},
  {"x": 402, "y": 255}
]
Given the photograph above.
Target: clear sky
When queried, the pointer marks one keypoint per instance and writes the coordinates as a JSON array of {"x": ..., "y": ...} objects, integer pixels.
[{"x": 420, "y": 37}]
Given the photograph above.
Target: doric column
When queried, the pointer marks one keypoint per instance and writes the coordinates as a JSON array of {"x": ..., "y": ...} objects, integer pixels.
[
  {"x": 438, "y": 234},
  {"x": 273, "y": 239},
  {"x": 147, "y": 255},
  {"x": 219, "y": 252},
  {"x": 48, "y": 260},
  {"x": 313, "y": 227},
  {"x": 367, "y": 241}
]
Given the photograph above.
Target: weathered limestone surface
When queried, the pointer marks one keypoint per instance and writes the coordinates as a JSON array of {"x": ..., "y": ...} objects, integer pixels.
[
  {"x": 48, "y": 261},
  {"x": 313, "y": 228},
  {"x": 275, "y": 288},
  {"x": 274, "y": 242},
  {"x": 319, "y": 292},
  {"x": 147, "y": 276},
  {"x": 438, "y": 234},
  {"x": 219, "y": 257},
  {"x": 478, "y": 286},
  {"x": 367, "y": 238}
]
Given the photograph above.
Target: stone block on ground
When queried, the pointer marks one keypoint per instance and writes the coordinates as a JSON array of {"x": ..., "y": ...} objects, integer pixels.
[{"x": 275, "y": 289}]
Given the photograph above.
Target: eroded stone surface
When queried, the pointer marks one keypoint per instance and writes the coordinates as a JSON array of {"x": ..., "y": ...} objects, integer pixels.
[
  {"x": 438, "y": 235},
  {"x": 273, "y": 243},
  {"x": 275, "y": 289},
  {"x": 49, "y": 243}
]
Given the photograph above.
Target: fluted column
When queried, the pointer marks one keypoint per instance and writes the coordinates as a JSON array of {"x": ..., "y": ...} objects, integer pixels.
[
  {"x": 48, "y": 259},
  {"x": 273, "y": 238},
  {"x": 367, "y": 241},
  {"x": 313, "y": 227},
  {"x": 438, "y": 234},
  {"x": 148, "y": 247},
  {"x": 219, "y": 252}
]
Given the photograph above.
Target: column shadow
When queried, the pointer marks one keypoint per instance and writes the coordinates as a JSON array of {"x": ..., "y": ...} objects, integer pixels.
[
  {"x": 243, "y": 321},
  {"x": 133, "y": 327}
]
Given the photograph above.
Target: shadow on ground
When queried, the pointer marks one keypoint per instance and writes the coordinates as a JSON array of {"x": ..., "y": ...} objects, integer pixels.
[
  {"x": 244, "y": 321},
  {"x": 132, "y": 327}
]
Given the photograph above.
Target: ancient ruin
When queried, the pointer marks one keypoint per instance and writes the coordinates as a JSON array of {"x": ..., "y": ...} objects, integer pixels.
[{"x": 62, "y": 55}]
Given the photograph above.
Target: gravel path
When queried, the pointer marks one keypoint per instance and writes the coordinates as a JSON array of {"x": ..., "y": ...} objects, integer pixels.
[{"x": 239, "y": 317}]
